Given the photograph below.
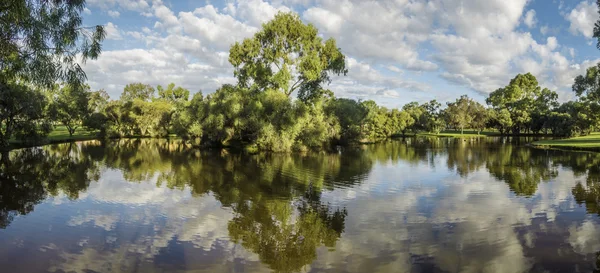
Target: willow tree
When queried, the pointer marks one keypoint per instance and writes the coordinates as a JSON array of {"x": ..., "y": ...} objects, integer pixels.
[
  {"x": 287, "y": 55},
  {"x": 41, "y": 41}
]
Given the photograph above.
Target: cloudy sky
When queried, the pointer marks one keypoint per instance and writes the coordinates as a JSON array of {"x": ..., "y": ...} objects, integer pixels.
[{"x": 397, "y": 50}]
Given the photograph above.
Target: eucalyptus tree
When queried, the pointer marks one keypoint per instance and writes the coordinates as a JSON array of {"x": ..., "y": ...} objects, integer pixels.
[
  {"x": 287, "y": 55},
  {"x": 41, "y": 41}
]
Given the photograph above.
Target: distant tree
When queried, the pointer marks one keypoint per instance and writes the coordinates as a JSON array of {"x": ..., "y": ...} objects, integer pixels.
[
  {"x": 432, "y": 119},
  {"x": 416, "y": 112},
  {"x": 287, "y": 55},
  {"x": 173, "y": 93},
  {"x": 70, "y": 106},
  {"x": 139, "y": 91},
  {"x": 41, "y": 40},
  {"x": 350, "y": 115},
  {"x": 465, "y": 112},
  {"x": 98, "y": 101},
  {"x": 524, "y": 100},
  {"x": 21, "y": 113}
]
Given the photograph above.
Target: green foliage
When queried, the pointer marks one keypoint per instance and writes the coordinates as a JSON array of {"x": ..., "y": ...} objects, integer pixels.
[
  {"x": 21, "y": 113},
  {"x": 172, "y": 93},
  {"x": 40, "y": 41},
  {"x": 466, "y": 113},
  {"x": 138, "y": 91},
  {"x": 287, "y": 55},
  {"x": 526, "y": 103},
  {"x": 69, "y": 106}
]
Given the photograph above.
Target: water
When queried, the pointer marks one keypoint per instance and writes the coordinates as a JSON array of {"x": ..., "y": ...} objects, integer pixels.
[{"x": 423, "y": 205}]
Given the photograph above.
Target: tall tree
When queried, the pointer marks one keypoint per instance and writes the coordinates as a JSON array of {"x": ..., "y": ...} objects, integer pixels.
[
  {"x": 287, "y": 55},
  {"x": 137, "y": 90},
  {"x": 40, "y": 40},
  {"x": 519, "y": 99},
  {"x": 460, "y": 112},
  {"x": 173, "y": 93},
  {"x": 70, "y": 106}
]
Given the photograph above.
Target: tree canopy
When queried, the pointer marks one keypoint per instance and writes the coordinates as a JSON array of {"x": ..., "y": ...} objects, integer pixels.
[
  {"x": 40, "y": 40},
  {"x": 287, "y": 55}
]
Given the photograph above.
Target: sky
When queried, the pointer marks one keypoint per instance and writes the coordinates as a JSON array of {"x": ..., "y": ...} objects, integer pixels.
[{"x": 397, "y": 51}]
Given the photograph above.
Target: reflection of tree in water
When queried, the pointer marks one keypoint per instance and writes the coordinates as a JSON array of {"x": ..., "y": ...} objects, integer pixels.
[
  {"x": 587, "y": 165},
  {"x": 276, "y": 198},
  {"x": 28, "y": 176},
  {"x": 521, "y": 168}
]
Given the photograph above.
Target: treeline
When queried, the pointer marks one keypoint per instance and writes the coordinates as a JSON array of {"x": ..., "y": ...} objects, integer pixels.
[{"x": 286, "y": 58}]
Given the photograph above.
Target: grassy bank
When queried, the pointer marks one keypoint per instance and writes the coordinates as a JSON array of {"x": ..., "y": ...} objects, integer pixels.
[
  {"x": 60, "y": 134},
  {"x": 590, "y": 142},
  {"x": 458, "y": 134}
]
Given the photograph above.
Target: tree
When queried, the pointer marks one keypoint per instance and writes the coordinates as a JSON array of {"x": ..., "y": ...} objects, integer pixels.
[
  {"x": 286, "y": 55},
  {"x": 172, "y": 93},
  {"x": 432, "y": 120},
  {"x": 416, "y": 112},
  {"x": 40, "y": 40},
  {"x": 97, "y": 101},
  {"x": 137, "y": 90},
  {"x": 461, "y": 112},
  {"x": 350, "y": 115},
  {"x": 70, "y": 106},
  {"x": 21, "y": 113},
  {"x": 523, "y": 99}
]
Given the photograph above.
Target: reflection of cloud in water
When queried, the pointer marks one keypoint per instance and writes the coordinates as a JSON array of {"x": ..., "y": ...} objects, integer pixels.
[
  {"x": 585, "y": 238},
  {"x": 172, "y": 215},
  {"x": 107, "y": 222},
  {"x": 459, "y": 225}
]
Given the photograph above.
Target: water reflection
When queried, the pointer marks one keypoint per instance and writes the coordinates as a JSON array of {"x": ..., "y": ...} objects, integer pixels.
[{"x": 417, "y": 205}]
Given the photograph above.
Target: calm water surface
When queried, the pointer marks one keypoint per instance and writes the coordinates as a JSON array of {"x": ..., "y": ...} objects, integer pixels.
[{"x": 420, "y": 205}]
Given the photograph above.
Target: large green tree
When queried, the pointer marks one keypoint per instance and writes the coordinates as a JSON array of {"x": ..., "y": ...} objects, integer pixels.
[
  {"x": 524, "y": 100},
  {"x": 287, "y": 55},
  {"x": 461, "y": 112},
  {"x": 137, "y": 90},
  {"x": 41, "y": 41},
  {"x": 70, "y": 106}
]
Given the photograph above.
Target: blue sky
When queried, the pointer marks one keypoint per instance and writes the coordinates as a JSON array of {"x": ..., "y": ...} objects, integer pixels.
[{"x": 397, "y": 50}]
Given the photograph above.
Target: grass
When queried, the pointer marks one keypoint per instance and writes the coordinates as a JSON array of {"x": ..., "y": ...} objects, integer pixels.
[
  {"x": 58, "y": 135},
  {"x": 590, "y": 141},
  {"x": 457, "y": 134}
]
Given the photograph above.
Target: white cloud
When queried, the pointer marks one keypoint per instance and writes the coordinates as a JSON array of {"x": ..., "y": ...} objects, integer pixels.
[
  {"x": 87, "y": 11},
  {"x": 473, "y": 44},
  {"x": 530, "y": 20},
  {"x": 112, "y": 32},
  {"x": 134, "y": 5},
  {"x": 113, "y": 13},
  {"x": 582, "y": 19}
]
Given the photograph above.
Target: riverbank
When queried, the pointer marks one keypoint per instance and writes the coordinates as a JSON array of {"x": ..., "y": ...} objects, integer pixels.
[{"x": 587, "y": 143}]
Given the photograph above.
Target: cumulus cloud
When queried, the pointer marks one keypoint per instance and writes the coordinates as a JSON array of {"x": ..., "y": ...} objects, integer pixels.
[
  {"x": 530, "y": 20},
  {"x": 113, "y": 13},
  {"x": 112, "y": 32},
  {"x": 582, "y": 19},
  {"x": 473, "y": 44}
]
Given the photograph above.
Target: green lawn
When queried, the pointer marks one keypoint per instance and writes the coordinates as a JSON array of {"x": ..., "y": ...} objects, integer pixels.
[
  {"x": 591, "y": 141},
  {"x": 457, "y": 134},
  {"x": 61, "y": 134}
]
